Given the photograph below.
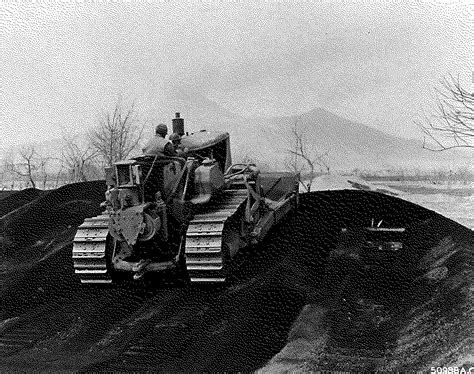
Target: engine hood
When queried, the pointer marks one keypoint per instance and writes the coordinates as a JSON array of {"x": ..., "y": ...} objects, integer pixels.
[{"x": 203, "y": 139}]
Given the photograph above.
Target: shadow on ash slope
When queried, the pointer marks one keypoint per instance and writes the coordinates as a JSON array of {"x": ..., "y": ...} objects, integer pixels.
[{"x": 298, "y": 302}]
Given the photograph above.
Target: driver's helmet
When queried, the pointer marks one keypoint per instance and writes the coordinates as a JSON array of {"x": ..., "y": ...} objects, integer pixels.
[{"x": 161, "y": 130}]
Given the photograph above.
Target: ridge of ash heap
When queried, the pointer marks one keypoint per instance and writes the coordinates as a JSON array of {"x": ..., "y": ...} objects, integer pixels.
[
  {"x": 304, "y": 300},
  {"x": 14, "y": 200}
]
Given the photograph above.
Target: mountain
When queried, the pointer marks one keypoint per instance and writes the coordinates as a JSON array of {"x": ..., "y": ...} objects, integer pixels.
[{"x": 349, "y": 145}]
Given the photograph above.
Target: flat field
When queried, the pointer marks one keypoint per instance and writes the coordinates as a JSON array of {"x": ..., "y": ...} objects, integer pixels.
[{"x": 452, "y": 200}]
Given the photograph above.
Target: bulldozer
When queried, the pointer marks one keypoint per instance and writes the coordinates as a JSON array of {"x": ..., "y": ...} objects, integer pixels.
[
  {"x": 376, "y": 238},
  {"x": 189, "y": 214}
]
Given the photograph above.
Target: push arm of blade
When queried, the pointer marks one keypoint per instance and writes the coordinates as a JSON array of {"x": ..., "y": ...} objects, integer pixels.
[
  {"x": 178, "y": 180},
  {"x": 186, "y": 183},
  {"x": 251, "y": 209},
  {"x": 149, "y": 171}
]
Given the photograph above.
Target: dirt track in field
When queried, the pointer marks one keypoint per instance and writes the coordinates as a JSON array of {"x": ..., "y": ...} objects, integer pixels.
[{"x": 410, "y": 300}]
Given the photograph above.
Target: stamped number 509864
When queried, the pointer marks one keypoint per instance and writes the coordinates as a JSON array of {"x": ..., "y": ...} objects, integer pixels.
[{"x": 451, "y": 370}]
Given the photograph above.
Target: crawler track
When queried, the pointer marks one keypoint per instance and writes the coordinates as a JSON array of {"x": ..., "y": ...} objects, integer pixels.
[
  {"x": 158, "y": 335},
  {"x": 27, "y": 331},
  {"x": 209, "y": 237},
  {"x": 155, "y": 348},
  {"x": 14, "y": 339},
  {"x": 89, "y": 251}
]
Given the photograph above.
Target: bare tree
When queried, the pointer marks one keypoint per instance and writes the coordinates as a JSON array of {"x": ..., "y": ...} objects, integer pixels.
[
  {"x": 59, "y": 173},
  {"x": 78, "y": 157},
  {"x": 6, "y": 173},
  {"x": 28, "y": 153},
  {"x": 304, "y": 161},
  {"x": 42, "y": 163},
  {"x": 7, "y": 165},
  {"x": 27, "y": 166},
  {"x": 117, "y": 134},
  {"x": 452, "y": 126}
]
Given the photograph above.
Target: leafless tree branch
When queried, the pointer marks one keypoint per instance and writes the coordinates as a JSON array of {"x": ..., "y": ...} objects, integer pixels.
[
  {"x": 78, "y": 158},
  {"x": 312, "y": 162},
  {"x": 27, "y": 165},
  {"x": 117, "y": 134},
  {"x": 452, "y": 125}
]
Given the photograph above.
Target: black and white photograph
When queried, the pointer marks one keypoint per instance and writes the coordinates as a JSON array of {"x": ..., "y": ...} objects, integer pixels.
[{"x": 279, "y": 186}]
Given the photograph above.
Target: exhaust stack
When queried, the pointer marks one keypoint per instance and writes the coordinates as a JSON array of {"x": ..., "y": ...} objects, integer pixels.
[{"x": 178, "y": 125}]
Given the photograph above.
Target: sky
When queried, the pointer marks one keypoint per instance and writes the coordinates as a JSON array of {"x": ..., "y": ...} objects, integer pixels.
[{"x": 64, "y": 62}]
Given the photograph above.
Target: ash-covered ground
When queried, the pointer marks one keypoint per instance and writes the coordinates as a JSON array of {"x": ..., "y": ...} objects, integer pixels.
[{"x": 301, "y": 301}]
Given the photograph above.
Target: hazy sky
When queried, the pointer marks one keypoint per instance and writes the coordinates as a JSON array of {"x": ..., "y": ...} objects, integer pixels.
[{"x": 62, "y": 62}]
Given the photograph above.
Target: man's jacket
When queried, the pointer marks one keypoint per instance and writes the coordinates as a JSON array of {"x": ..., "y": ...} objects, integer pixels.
[{"x": 159, "y": 146}]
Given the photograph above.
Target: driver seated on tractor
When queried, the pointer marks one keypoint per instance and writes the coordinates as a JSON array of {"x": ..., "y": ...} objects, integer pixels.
[
  {"x": 159, "y": 145},
  {"x": 178, "y": 147}
]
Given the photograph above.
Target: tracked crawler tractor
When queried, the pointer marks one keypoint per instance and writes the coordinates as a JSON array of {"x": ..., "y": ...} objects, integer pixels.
[
  {"x": 191, "y": 213},
  {"x": 376, "y": 238}
]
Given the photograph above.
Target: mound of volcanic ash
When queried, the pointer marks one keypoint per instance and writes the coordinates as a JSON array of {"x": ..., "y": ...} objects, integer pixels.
[
  {"x": 36, "y": 242},
  {"x": 404, "y": 311},
  {"x": 49, "y": 215},
  {"x": 242, "y": 326},
  {"x": 17, "y": 199}
]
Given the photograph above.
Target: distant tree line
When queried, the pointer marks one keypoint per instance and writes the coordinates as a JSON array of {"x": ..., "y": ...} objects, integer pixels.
[
  {"x": 117, "y": 135},
  {"x": 436, "y": 175}
]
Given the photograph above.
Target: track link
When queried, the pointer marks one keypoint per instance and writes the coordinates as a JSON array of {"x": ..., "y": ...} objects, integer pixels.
[
  {"x": 89, "y": 251},
  {"x": 206, "y": 236}
]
